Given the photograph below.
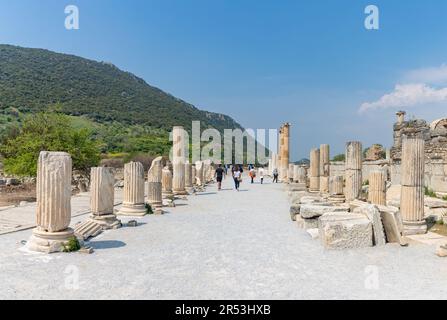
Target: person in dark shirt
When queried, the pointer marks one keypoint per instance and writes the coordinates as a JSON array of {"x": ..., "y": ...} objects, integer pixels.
[{"x": 219, "y": 175}]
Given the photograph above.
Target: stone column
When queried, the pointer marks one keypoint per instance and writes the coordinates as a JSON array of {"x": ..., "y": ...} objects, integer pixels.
[
  {"x": 314, "y": 170},
  {"x": 133, "y": 192},
  {"x": 302, "y": 175},
  {"x": 102, "y": 191},
  {"x": 412, "y": 195},
  {"x": 290, "y": 173},
  {"x": 377, "y": 188},
  {"x": 154, "y": 185},
  {"x": 178, "y": 160},
  {"x": 102, "y": 197},
  {"x": 285, "y": 151},
  {"x": 324, "y": 168},
  {"x": 336, "y": 189},
  {"x": 53, "y": 193},
  {"x": 199, "y": 173},
  {"x": 296, "y": 171},
  {"x": 188, "y": 177},
  {"x": 166, "y": 176},
  {"x": 280, "y": 152},
  {"x": 353, "y": 170},
  {"x": 193, "y": 175}
]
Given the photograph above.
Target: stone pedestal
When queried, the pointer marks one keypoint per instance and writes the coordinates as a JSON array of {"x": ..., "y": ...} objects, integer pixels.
[
  {"x": 412, "y": 178},
  {"x": 133, "y": 192},
  {"x": 353, "y": 170},
  {"x": 302, "y": 175},
  {"x": 154, "y": 185},
  {"x": 324, "y": 168},
  {"x": 377, "y": 188},
  {"x": 296, "y": 169},
  {"x": 53, "y": 194},
  {"x": 314, "y": 170},
  {"x": 167, "y": 183},
  {"x": 193, "y": 175},
  {"x": 290, "y": 173}
]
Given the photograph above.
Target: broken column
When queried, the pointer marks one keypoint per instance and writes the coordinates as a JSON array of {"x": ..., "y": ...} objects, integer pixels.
[
  {"x": 193, "y": 174},
  {"x": 188, "y": 177},
  {"x": 314, "y": 170},
  {"x": 154, "y": 185},
  {"x": 302, "y": 175},
  {"x": 199, "y": 173},
  {"x": 353, "y": 170},
  {"x": 336, "y": 189},
  {"x": 324, "y": 168},
  {"x": 133, "y": 193},
  {"x": 166, "y": 177},
  {"x": 179, "y": 146},
  {"x": 377, "y": 188},
  {"x": 412, "y": 177},
  {"x": 290, "y": 173},
  {"x": 296, "y": 169},
  {"x": 53, "y": 193},
  {"x": 102, "y": 197}
]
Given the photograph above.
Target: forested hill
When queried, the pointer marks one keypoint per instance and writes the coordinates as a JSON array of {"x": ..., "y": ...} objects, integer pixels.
[{"x": 32, "y": 80}]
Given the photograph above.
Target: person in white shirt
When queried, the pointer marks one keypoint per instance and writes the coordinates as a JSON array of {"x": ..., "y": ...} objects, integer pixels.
[
  {"x": 237, "y": 176},
  {"x": 261, "y": 174}
]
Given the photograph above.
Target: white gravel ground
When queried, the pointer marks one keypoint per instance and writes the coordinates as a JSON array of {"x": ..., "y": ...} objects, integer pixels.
[{"x": 220, "y": 245}]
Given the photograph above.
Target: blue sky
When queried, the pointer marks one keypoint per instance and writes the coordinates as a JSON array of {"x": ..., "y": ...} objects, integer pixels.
[{"x": 311, "y": 63}]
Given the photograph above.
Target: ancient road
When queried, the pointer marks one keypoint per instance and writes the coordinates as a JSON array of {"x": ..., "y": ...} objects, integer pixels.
[{"x": 220, "y": 245}]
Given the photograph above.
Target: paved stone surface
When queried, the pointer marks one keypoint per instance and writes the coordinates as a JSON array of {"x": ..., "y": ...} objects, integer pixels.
[{"x": 226, "y": 245}]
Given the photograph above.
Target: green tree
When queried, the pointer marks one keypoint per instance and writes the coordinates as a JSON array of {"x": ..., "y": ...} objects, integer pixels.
[
  {"x": 339, "y": 157},
  {"x": 50, "y": 132}
]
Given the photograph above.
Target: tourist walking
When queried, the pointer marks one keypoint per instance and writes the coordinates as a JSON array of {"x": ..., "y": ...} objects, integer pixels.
[
  {"x": 261, "y": 174},
  {"x": 219, "y": 175},
  {"x": 252, "y": 174},
  {"x": 237, "y": 176},
  {"x": 275, "y": 175}
]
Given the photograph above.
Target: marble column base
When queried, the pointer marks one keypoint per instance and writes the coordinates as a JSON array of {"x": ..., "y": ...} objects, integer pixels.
[
  {"x": 49, "y": 242},
  {"x": 132, "y": 210},
  {"x": 336, "y": 198},
  {"x": 414, "y": 227}
]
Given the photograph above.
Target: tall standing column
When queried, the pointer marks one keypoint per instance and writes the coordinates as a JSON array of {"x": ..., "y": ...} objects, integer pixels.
[
  {"x": 353, "y": 170},
  {"x": 53, "y": 194},
  {"x": 324, "y": 168},
  {"x": 280, "y": 152},
  {"x": 314, "y": 170},
  {"x": 412, "y": 196},
  {"x": 166, "y": 183},
  {"x": 133, "y": 192},
  {"x": 188, "y": 177},
  {"x": 154, "y": 185},
  {"x": 285, "y": 152},
  {"x": 377, "y": 188},
  {"x": 178, "y": 160}
]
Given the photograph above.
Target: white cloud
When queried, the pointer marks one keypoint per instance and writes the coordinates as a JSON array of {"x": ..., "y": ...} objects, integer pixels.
[
  {"x": 407, "y": 95},
  {"x": 432, "y": 75}
]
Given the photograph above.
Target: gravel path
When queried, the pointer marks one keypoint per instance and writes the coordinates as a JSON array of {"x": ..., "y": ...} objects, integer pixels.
[{"x": 220, "y": 245}]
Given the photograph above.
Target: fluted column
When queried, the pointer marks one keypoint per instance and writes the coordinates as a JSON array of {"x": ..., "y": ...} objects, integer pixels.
[
  {"x": 178, "y": 160},
  {"x": 133, "y": 192},
  {"x": 314, "y": 170},
  {"x": 377, "y": 188},
  {"x": 154, "y": 184},
  {"x": 412, "y": 177},
  {"x": 324, "y": 168},
  {"x": 353, "y": 170},
  {"x": 166, "y": 176},
  {"x": 53, "y": 192}
]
